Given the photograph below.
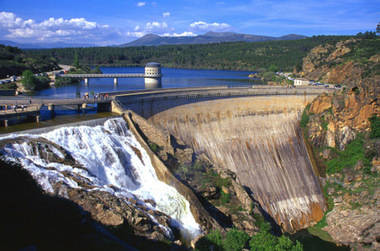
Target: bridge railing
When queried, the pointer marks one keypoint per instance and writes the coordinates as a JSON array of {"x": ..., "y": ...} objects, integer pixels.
[{"x": 111, "y": 75}]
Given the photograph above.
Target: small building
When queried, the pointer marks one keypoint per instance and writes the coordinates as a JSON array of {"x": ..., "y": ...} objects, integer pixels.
[
  {"x": 301, "y": 81},
  {"x": 153, "y": 69},
  {"x": 152, "y": 75}
]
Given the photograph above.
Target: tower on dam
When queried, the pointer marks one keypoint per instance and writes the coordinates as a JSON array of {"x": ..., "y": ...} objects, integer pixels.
[{"x": 152, "y": 75}]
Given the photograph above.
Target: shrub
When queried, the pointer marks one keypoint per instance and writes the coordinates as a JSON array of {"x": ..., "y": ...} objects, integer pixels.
[
  {"x": 375, "y": 126},
  {"x": 29, "y": 81},
  {"x": 213, "y": 241},
  {"x": 224, "y": 197},
  {"x": 263, "y": 241},
  {"x": 235, "y": 240},
  {"x": 349, "y": 157},
  {"x": 304, "y": 119}
]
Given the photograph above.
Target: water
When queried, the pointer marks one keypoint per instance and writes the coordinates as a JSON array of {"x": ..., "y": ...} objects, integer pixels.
[
  {"x": 172, "y": 78},
  {"x": 113, "y": 161}
]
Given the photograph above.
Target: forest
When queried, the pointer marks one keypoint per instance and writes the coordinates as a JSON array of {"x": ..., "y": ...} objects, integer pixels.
[
  {"x": 14, "y": 61},
  {"x": 251, "y": 56}
]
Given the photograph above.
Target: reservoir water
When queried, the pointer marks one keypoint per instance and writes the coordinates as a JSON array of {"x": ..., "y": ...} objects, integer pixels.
[{"x": 172, "y": 78}]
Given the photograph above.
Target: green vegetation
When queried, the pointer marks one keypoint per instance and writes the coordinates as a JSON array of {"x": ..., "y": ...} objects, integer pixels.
[
  {"x": 375, "y": 127},
  {"x": 14, "y": 61},
  {"x": 78, "y": 69},
  {"x": 347, "y": 158},
  {"x": 361, "y": 52},
  {"x": 324, "y": 123},
  {"x": 33, "y": 83},
  {"x": 305, "y": 117},
  {"x": 154, "y": 147},
  {"x": 276, "y": 55},
  {"x": 236, "y": 240},
  {"x": 8, "y": 86}
]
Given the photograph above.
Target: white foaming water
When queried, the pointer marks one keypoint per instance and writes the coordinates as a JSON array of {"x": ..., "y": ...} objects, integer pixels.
[{"x": 113, "y": 161}]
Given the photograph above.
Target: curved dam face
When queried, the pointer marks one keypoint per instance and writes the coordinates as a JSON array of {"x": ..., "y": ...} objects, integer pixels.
[{"x": 259, "y": 139}]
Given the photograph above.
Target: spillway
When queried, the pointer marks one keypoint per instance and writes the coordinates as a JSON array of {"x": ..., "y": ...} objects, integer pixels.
[
  {"x": 260, "y": 140},
  {"x": 106, "y": 157}
]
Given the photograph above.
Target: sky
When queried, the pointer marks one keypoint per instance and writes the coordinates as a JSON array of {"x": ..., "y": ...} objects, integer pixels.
[{"x": 112, "y": 22}]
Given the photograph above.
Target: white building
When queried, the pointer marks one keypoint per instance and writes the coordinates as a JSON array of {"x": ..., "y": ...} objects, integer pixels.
[{"x": 301, "y": 81}]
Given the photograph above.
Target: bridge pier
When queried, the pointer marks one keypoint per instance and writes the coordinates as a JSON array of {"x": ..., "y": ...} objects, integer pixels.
[
  {"x": 5, "y": 123},
  {"x": 86, "y": 81},
  {"x": 38, "y": 118},
  {"x": 84, "y": 106},
  {"x": 51, "y": 108},
  {"x": 115, "y": 81}
]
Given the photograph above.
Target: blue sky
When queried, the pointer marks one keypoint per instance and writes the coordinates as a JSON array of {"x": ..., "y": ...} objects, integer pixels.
[{"x": 105, "y": 22}]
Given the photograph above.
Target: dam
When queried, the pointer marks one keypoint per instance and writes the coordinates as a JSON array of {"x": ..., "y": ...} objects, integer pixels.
[{"x": 253, "y": 133}]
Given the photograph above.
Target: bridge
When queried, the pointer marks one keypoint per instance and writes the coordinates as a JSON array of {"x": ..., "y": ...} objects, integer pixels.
[
  {"x": 115, "y": 76},
  {"x": 152, "y": 76},
  {"x": 14, "y": 107}
]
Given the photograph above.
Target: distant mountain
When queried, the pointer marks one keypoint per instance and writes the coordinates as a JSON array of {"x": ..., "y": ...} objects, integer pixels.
[
  {"x": 209, "y": 37},
  {"x": 43, "y": 45}
]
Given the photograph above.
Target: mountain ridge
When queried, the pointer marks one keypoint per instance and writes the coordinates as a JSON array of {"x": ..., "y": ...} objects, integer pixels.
[
  {"x": 44, "y": 45},
  {"x": 208, "y": 37}
]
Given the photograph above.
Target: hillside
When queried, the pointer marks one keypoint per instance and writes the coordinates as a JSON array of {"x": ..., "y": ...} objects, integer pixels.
[
  {"x": 207, "y": 38},
  {"x": 285, "y": 55},
  {"x": 14, "y": 61},
  {"x": 343, "y": 129}
]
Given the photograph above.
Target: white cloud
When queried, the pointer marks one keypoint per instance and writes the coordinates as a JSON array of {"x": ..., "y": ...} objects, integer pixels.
[
  {"x": 141, "y": 4},
  {"x": 183, "y": 34},
  {"x": 150, "y": 27},
  {"x": 166, "y": 14},
  {"x": 135, "y": 33},
  {"x": 153, "y": 26},
  {"x": 203, "y": 26},
  {"x": 54, "y": 29}
]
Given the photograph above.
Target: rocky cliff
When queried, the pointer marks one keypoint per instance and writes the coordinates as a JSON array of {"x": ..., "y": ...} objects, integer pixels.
[{"x": 342, "y": 129}]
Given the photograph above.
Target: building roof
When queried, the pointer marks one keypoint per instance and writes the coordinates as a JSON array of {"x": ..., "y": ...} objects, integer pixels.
[{"x": 153, "y": 64}]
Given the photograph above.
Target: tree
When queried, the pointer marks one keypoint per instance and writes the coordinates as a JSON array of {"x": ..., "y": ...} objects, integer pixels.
[
  {"x": 76, "y": 60},
  {"x": 213, "y": 241},
  {"x": 378, "y": 28},
  {"x": 235, "y": 240},
  {"x": 29, "y": 81},
  {"x": 273, "y": 68},
  {"x": 263, "y": 241}
]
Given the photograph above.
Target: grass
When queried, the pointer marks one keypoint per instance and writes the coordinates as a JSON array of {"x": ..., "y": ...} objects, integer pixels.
[
  {"x": 349, "y": 157},
  {"x": 375, "y": 127},
  {"x": 324, "y": 123},
  {"x": 212, "y": 177},
  {"x": 154, "y": 147},
  {"x": 305, "y": 117}
]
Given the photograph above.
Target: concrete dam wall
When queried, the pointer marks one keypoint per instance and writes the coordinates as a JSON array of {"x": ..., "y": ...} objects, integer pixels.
[{"x": 259, "y": 139}]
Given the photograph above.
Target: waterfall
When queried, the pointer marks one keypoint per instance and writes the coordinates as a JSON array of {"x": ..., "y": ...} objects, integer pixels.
[{"x": 109, "y": 159}]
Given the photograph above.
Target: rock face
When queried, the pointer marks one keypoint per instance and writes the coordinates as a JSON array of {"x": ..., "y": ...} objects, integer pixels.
[
  {"x": 358, "y": 228},
  {"x": 336, "y": 120},
  {"x": 259, "y": 140}
]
